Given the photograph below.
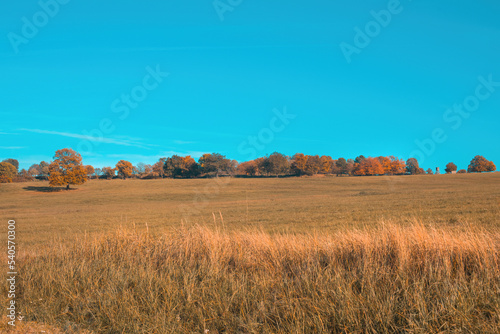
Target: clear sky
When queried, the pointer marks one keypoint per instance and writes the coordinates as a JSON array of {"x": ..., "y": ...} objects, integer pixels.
[{"x": 140, "y": 80}]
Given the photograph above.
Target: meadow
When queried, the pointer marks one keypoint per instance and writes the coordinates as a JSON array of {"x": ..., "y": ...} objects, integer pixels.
[
  {"x": 295, "y": 205},
  {"x": 405, "y": 254}
]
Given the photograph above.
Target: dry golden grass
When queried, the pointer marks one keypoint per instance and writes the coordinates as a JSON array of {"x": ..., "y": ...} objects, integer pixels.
[
  {"x": 326, "y": 204},
  {"x": 393, "y": 279},
  {"x": 415, "y": 254}
]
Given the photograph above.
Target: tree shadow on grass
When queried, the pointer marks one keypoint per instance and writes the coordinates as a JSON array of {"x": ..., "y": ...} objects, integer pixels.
[{"x": 47, "y": 189}]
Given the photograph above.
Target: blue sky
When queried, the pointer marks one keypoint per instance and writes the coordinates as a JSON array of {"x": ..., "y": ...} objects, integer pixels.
[{"x": 232, "y": 68}]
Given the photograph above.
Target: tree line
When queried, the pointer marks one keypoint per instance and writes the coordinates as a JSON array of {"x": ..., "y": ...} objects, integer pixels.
[{"x": 67, "y": 167}]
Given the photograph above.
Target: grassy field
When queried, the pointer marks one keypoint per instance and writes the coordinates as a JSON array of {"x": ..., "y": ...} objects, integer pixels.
[
  {"x": 324, "y": 204},
  {"x": 415, "y": 254}
]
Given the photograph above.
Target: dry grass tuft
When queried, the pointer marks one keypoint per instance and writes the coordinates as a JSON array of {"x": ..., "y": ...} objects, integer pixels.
[{"x": 395, "y": 279}]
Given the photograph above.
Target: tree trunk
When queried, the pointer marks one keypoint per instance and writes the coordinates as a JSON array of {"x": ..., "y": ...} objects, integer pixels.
[{"x": 67, "y": 187}]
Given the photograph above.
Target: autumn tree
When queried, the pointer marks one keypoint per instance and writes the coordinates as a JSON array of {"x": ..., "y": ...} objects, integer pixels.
[
  {"x": 13, "y": 162},
  {"x": 34, "y": 170},
  {"x": 386, "y": 164},
  {"x": 429, "y": 171},
  {"x": 215, "y": 164},
  {"x": 368, "y": 166},
  {"x": 183, "y": 167},
  {"x": 23, "y": 176},
  {"x": 313, "y": 165},
  {"x": 248, "y": 168},
  {"x": 140, "y": 168},
  {"x": 44, "y": 170},
  {"x": 450, "y": 167},
  {"x": 479, "y": 164},
  {"x": 359, "y": 159},
  {"x": 108, "y": 172},
  {"x": 148, "y": 169},
  {"x": 350, "y": 166},
  {"x": 7, "y": 172},
  {"x": 413, "y": 168},
  {"x": 158, "y": 168},
  {"x": 398, "y": 166},
  {"x": 260, "y": 164},
  {"x": 327, "y": 165},
  {"x": 97, "y": 173},
  {"x": 67, "y": 169},
  {"x": 342, "y": 167},
  {"x": 462, "y": 171},
  {"x": 144, "y": 170},
  {"x": 124, "y": 169},
  {"x": 299, "y": 162},
  {"x": 276, "y": 164},
  {"x": 90, "y": 171}
]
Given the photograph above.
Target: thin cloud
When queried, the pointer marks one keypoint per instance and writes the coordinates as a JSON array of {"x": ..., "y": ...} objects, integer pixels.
[
  {"x": 12, "y": 147},
  {"x": 183, "y": 142},
  {"x": 90, "y": 138}
]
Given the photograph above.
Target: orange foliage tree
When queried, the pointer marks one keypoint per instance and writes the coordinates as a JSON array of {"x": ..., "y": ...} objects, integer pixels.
[
  {"x": 313, "y": 164},
  {"x": 90, "y": 171},
  {"x": 450, "y": 167},
  {"x": 299, "y": 162},
  {"x": 108, "y": 172},
  {"x": 385, "y": 162},
  {"x": 398, "y": 166},
  {"x": 368, "y": 166},
  {"x": 177, "y": 166},
  {"x": 327, "y": 165},
  {"x": 249, "y": 168},
  {"x": 8, "y": 172},
  {"x": 67, "y": 169},
  {"x": 124, "y": 169},
  {"x": 479, "y": 164}
]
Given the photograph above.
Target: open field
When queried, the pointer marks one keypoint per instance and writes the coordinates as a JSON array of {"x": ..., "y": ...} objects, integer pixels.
[
  {"x": 290, "y": 204},
  {"x": 203, "y": 280},
  {"x": 416, "y": 254}
]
